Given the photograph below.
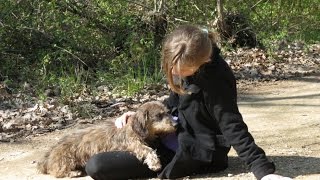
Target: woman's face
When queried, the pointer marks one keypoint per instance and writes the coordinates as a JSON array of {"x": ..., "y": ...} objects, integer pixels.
[{"x": 185, "y": 70}]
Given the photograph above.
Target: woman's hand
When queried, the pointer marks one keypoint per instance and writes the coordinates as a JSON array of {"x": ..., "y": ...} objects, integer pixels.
[
  {"x": 122, "y": 120},
  {"x": 275, "y": 177}
]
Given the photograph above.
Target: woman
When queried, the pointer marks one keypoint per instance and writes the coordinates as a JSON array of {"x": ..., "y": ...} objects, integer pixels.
[{"x": 204, "y": 100}]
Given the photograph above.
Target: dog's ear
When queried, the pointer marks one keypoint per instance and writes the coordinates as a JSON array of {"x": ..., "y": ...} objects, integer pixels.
[{"x": 139, "y": 124}]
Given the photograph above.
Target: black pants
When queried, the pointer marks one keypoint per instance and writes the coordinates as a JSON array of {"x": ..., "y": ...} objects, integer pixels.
[
  {"x": 123, "y": 165},
  {"x": 119, "y": 165}
]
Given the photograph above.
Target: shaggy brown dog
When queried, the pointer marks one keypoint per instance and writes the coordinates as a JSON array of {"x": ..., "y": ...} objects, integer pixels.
[{"x": 69, "y": 156}]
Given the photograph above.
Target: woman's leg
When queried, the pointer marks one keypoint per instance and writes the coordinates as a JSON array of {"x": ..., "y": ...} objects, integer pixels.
[
  {"x": 183, "y": 164},
  {"x": 117, "y": 165},
  {"x": 123, "y": 165}
]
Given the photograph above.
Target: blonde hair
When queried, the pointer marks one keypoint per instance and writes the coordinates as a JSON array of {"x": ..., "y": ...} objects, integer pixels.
[{"x": 186, "y": 46}]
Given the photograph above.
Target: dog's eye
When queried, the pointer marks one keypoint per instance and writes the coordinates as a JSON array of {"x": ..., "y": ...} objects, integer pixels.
[{"x": 159, "y": 116}]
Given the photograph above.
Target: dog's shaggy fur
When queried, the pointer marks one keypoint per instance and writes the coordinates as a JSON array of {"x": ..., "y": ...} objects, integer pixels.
[{"x": 69, "y": 156}]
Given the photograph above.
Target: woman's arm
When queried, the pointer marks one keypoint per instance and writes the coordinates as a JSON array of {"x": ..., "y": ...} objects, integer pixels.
[{"x": 220, "y": 97}]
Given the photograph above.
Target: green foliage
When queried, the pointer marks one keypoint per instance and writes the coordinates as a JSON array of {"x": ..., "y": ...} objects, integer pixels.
[
  {"x": 73, "y": 44},
  {"x": 283, "y": 20}
]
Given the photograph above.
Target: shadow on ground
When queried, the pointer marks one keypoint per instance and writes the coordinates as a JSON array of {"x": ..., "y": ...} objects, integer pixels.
[{"x": 290, "y": 166}]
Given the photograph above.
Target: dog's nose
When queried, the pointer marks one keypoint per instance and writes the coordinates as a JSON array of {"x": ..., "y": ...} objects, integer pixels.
[{"x": 175, "y": 120}]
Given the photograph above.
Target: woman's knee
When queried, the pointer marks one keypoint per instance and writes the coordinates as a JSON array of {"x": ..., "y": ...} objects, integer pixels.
[{"x": 93, "y": 166}]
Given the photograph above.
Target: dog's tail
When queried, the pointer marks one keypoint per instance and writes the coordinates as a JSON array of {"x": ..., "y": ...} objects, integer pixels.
[{"x": 42, "y": 165}]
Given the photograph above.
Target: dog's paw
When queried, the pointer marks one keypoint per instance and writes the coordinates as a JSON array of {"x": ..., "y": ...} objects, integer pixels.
[
  {"x": 153, "y": 161},
  {"x": 75, "y": 174}
]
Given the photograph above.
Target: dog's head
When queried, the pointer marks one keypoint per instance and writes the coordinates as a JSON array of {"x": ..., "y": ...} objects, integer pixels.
[{"x": 152, "y": 119}]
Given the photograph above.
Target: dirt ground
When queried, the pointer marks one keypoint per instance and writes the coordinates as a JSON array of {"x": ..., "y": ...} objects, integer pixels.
[{"x": 283, "y": 116}]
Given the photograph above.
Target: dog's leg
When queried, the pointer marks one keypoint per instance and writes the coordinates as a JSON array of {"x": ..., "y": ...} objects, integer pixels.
[
  {"x": 75, "y": 173},
  {"x": 62, "y": 159},
  {"x": 147, "y": 155},
  {"x": 153, "y": 161},
  {"x": 60, "y": 166}
]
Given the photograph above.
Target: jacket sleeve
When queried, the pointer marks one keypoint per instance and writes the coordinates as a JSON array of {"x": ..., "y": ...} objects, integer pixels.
[{"x": 221, "y": 101}]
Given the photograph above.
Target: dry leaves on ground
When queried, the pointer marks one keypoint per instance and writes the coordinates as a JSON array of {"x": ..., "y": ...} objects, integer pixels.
[{"x": 22, "y": 115}]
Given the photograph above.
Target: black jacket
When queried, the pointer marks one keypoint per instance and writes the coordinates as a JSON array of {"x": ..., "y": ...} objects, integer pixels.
[{"x": 210, "y": 121}]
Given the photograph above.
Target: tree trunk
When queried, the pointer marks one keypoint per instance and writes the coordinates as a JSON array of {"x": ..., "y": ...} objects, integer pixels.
[
  {"x": 221, "y": 18},
  {"x": 159, "y": 21}
]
